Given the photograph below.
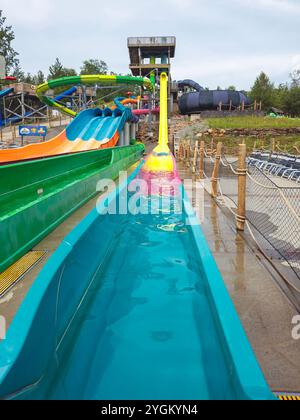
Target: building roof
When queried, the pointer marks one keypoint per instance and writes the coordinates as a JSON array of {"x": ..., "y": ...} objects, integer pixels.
[{"x": 150, "y": 46}]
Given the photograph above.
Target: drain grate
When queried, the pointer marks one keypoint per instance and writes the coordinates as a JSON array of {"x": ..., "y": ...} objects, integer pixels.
[{"x": 15, "y": 273}]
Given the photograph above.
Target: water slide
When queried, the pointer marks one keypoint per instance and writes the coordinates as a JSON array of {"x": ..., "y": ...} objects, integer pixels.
[
  {"x": 207, "y": 100},
  {"x": 6, "y": 92},
  {"x": 134, "y": 308},
  {"x": 3, "y": 93},
  {"x": 139, "y": 112},
  {"x": 190, "y": 84},
  {"x": 90, "y": 130},
  {"x": 39, "y": 195},
  {"x": 16, "y": 119}
]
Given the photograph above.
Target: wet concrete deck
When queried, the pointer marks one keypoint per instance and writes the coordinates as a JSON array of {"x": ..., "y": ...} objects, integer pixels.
[
  {"x": 264, "y": 310},
  {"x": 54, "y": 128}
]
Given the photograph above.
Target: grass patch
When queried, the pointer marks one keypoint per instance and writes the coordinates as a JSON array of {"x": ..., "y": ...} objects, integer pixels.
[
  {"x": 253, "y": 122},
  {"x": 286, "y": 143}
]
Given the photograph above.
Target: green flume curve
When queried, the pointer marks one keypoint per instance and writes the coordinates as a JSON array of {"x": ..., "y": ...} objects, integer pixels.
[{"x": 38, "y": 196}]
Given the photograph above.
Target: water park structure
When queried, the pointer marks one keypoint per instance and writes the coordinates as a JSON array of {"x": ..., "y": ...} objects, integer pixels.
[
  {"x": 19, "y": 102},
  {"x": 131, "y": 305},
  {"x": 91, "y": 129},
  {"x": 200, "y": 99}
]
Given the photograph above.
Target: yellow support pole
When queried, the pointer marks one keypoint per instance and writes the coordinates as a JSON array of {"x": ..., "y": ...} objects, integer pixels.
[
  {"x": 161, "y": 159},
  {"x": 163, "y": 142}
]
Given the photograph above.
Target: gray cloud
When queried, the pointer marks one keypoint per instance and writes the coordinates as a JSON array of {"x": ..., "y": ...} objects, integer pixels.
[{"x": 220, "y": 42}]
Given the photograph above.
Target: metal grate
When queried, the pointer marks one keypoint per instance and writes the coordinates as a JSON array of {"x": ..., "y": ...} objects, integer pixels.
[{"x": 15, "y": 273}]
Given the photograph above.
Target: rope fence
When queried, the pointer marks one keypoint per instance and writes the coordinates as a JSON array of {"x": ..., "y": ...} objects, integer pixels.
[{"x": 257, "y": 201}]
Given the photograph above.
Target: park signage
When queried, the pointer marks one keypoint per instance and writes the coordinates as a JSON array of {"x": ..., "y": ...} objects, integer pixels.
[{"x": 33, "y": 131}]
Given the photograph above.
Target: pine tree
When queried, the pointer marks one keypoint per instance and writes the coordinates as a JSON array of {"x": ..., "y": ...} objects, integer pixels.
[
  {"x": 263, "y": 90},
  {"x": 39, "y": 79},
  {"x": 57, "y": 70},
  {"x": 18, "y": 73},
  {"x": 29, "y": 79}
]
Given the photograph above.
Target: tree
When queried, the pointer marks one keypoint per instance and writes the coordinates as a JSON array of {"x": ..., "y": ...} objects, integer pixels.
[
  {"x": 279, "y": 96},
  {"x": 94, "y": 67},
  {"x": 57, "y": 70},
  {"x": 39, "y": 79},
  {"x": 292, "y": 101},
  {"x": 232, "y": 88},
  {"x": 7, "y": 36},
  {"x": 295, "y": 76},
  {"x": 18, "y": 73},
  {"x": 263, "y": 90},
  {"x": 29, "y": 79},
  {"x": 69, "y": 72}
]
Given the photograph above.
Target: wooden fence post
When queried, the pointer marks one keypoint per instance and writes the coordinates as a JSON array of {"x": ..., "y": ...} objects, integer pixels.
[
  {"x": 185, "y": 154},
  {"x": 242, "y": 182},
  {"x": 215, "y": 175},
  {"x": 273, "y": 147},
  {"x": 212, "y": 147},
  {"x": 188, "y": 154},
  {"x": 180, "y": 152},
  {"x": 195, "y": 156},
  {"x": 202, "y": 153}
]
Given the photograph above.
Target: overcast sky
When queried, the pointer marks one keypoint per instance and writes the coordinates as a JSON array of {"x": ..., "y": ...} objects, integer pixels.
[{"x": 219, "y": 42}]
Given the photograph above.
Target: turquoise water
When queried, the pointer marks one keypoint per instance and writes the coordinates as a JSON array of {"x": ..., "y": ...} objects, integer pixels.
[{"x": 145, "y": 329}]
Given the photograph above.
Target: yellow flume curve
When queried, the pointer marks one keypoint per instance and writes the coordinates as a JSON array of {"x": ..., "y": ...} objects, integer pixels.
[{"x": 161, "y": 159}]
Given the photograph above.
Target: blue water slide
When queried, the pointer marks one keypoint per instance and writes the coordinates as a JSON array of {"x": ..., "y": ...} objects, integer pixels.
[
  {"x": 99, "y": 124},
  {"x": 6, "y": 92},
  {"x": 207, "y": 100},
  {"x": 3, "y": 93},
  {"x": 65, "y": 94},
  {"x": 191, "y": 84}
]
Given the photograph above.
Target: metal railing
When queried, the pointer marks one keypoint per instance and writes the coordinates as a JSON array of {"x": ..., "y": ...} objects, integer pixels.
[{"x": 149, "y": 41}]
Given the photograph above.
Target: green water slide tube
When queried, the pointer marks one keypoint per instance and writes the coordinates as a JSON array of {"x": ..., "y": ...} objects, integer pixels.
[
  {"x": 38, "y": 196},
  {"x": 100, "y": 79}
]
